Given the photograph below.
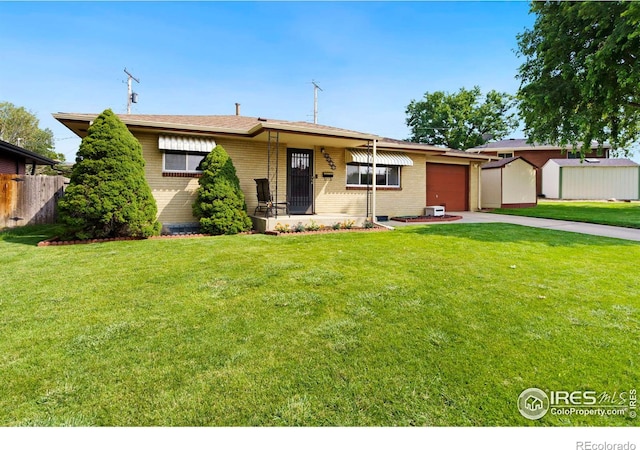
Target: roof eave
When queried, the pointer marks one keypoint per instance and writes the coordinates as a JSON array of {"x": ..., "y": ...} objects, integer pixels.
[
  {"x": 65, "y": 118},
  {"x": 28, "y": 155},
  {"x": 433, "y": 150},
  {"x": 473, "y": 157}
]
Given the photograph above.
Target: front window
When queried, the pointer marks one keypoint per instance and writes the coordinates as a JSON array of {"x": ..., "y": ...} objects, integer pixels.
[
  {"x": 361, "y": 175},
  {"x": 505, "y": 155},
  {"x": 183, "y": 162}
]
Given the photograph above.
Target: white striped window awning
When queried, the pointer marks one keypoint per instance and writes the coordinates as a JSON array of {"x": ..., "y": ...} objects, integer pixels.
[
  {"x": 185, "y": 144},
  {"x": 382, "y": 157}
]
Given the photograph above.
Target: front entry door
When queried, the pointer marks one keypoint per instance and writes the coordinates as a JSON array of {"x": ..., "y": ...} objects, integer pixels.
[{"x": 300, "y": 181}]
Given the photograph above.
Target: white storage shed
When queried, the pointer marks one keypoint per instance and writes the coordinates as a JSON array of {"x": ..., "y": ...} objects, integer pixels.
[
  {"x": 591, "y": 179},
  {"x": 509, "y": 183}
]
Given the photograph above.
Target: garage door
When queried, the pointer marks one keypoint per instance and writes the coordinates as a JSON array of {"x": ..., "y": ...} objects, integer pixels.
[{"x": 448, "y": 185}]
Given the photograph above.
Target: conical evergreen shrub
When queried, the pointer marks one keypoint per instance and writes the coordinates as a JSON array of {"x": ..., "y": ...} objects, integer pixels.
[
  {"x": 220, "y": 204},
  {"x": 108, "y": 195}
]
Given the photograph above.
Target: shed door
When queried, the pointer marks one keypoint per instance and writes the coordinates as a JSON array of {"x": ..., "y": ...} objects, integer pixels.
[{"x": 448, "y": 185}]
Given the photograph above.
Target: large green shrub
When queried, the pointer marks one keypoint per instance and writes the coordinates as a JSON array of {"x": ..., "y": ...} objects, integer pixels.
[
  {"x": 220, "y": 204},
  {"x": 108, "y": 195}
]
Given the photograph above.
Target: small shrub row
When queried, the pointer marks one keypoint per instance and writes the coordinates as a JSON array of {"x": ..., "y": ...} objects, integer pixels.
[{"x": 313, "y": 226}]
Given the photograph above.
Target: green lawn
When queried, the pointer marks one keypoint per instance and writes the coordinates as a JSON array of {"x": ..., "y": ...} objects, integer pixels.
[
  {"x": 425, "y": 325},
  {"x": 605, "y": 213}
]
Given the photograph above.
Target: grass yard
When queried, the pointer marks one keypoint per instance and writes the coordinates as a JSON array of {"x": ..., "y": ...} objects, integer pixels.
[
  {"x": 605, "y": 213},
  {"x": 425, "y": 325}
]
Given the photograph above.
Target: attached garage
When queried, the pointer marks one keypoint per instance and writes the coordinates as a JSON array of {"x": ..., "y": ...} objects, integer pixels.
[
  {"x": 448, "y": 186},
  {"x": 509, "y": 183},
  {"x": 591, "y": 179}
]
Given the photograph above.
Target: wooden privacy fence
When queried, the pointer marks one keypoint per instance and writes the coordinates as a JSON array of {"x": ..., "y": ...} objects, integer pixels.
[{"x": 29, "y": 199}]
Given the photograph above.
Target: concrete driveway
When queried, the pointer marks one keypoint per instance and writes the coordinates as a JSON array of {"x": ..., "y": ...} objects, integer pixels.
[{"x": 551, "y": 224}]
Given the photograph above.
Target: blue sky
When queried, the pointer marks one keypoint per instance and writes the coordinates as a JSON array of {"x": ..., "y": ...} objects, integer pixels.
[{"x": 370, "y": 58}]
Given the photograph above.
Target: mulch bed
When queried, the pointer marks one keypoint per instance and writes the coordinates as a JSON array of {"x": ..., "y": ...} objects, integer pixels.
[
  {"x": 57, "y": 241},
  {"x": 427, "y": 219}
]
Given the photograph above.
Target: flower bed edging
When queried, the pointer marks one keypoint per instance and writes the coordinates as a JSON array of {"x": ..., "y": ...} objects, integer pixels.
[
  {"x": 325, "y": 231},
  {"x": 426, "y": 219},
  {"x": 56, "y": 241}
]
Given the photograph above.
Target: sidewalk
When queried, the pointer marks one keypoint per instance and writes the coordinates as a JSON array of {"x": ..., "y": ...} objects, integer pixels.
[{"x": 630, "y": 234}]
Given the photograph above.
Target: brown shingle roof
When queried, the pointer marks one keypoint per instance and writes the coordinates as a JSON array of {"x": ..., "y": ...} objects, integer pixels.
[
  {"x": 251, "y": 126},
  {"x": 229, "y": 122},
  {"x": 503, "y": 162},
  {"x": 521, "y": 144}
]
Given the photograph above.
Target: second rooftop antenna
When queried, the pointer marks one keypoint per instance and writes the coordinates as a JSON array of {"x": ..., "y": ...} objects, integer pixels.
[
  {"x": 315, "y": 101},
  {"x": 132, "y": 97}
]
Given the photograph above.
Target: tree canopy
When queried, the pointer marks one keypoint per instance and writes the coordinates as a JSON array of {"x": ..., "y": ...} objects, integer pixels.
[
  {"x": 581, "y": 77},
  {"x": 22, "y": 128},
  {"x": 220, "y": 205},
  {"x": 108, "y": 194},
  {"x": 461, "y": 120}
]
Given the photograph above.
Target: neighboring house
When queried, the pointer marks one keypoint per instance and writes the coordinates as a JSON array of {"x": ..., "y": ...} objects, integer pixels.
[
  {"x": 26, "y": 199},
  {"x": 591, "y": 179},
  {"x": 509, "y": 183},
  {"x": 14, "y": 159},
  {"x": 320, "y": 170},
  {"x": 536, "y": 154}
]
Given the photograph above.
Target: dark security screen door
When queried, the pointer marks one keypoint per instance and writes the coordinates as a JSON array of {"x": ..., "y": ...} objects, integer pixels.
[{"x": 300, "y": 181}]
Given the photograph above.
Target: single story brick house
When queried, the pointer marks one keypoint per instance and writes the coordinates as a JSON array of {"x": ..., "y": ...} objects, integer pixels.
[
  {"x": 14, "y": 159},
  {"x": 536, "y": 154},
  {"x": 321, "y": 171}
]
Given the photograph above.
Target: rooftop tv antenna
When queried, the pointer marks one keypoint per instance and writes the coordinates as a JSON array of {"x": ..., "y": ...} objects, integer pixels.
[
  {"x": 132, "y": 97},
  {"x": 315, "y": 101}
]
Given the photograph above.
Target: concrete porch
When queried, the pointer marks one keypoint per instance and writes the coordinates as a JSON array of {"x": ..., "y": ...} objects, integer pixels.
[{"x": 262, "y": 224}]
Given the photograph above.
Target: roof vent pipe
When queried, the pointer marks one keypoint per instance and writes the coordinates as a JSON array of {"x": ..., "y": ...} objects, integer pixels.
[{"x": 237, "y": 109}]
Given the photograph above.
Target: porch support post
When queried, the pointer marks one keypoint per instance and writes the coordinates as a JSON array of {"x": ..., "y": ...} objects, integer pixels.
[
  {"x": 479, "y": 184},
  {"x": 277, "y": 171},
  {"x": 373, "y": 183}
]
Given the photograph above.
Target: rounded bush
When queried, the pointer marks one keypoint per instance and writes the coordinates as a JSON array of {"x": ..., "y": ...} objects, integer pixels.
[{"x": 220, "y": 205}]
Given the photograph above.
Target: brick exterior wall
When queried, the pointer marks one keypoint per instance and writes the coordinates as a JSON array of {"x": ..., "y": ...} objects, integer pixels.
[{"x": 175, "y": 194}]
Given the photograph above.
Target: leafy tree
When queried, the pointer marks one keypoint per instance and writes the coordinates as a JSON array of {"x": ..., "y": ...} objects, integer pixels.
[
  {"x": 22, "y": 128},
  {"x": 108, "y": 195},
  {"x": 220, "y": 204},
  {"x": 581, "y": 77},
  {"x": 460, "y": 120}
]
